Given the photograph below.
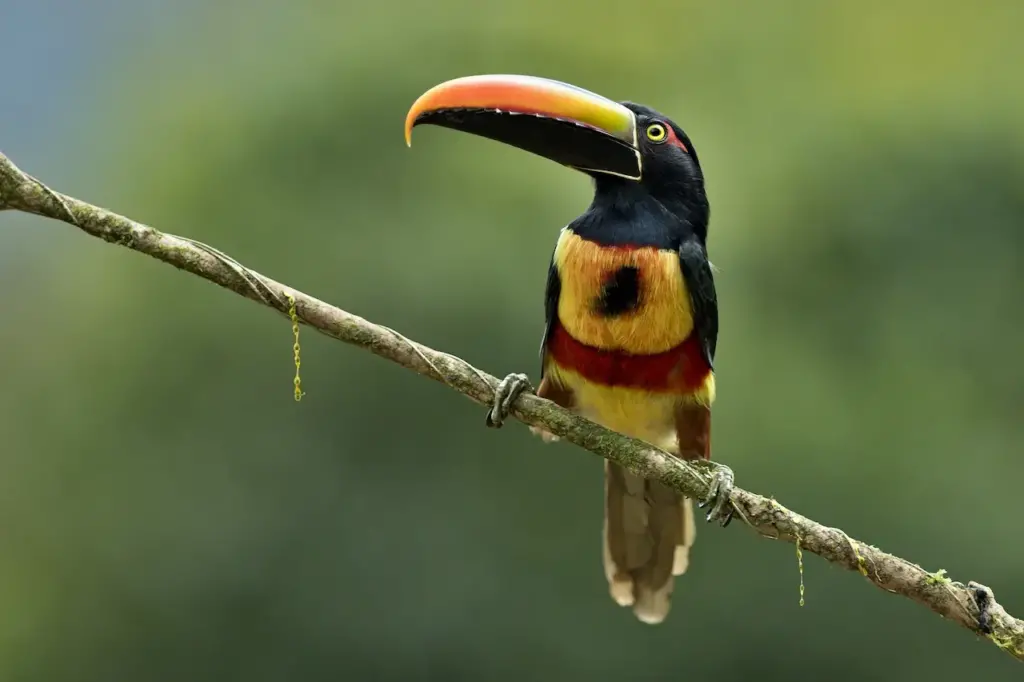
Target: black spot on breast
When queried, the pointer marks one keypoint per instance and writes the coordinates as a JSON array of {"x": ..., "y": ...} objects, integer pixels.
[{"x": 620, "y": 292}]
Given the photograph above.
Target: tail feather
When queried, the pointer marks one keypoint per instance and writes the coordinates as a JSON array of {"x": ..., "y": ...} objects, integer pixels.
[
  {"x": 688, "y": 533},
  {"x": 649, "y": 530}
]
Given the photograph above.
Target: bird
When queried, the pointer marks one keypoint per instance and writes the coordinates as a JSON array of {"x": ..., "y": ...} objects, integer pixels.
[{"x": 630, "y": 310}]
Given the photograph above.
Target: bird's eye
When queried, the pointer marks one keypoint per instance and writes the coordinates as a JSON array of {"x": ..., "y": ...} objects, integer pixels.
[{"x": 656, "y": 132}]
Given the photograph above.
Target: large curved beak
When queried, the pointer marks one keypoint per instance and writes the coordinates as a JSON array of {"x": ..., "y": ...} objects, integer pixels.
[{"x": 560, "y": 122}]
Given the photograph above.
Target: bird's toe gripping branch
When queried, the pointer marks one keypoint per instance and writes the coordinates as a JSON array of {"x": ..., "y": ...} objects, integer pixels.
[
  {"x": 505, "y": 394},
  {"x": 718, "y": 498}
]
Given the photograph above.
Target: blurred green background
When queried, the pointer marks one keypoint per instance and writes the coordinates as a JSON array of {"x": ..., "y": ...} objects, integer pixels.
[{"x": 168, "y": 512}]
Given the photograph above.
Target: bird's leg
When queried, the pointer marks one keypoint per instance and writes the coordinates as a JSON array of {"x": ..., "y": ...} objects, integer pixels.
[
  {"x": 693, "y": 429},
  {"x": 505, "y": 394},
  {"x": 722, "y": 479},
  {"x": 559, "y": 395}
]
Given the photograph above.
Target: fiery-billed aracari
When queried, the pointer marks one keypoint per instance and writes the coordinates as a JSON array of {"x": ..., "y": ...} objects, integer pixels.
[{"x": 631, "y": 310}]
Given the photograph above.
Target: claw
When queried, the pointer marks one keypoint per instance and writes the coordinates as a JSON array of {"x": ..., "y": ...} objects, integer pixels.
[
  {"x": 505, "y": 394},
  {"x": 719, "y": 494}
]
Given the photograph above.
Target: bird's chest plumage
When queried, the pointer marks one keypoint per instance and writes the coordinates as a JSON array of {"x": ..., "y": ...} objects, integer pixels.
[
  {"x": 623, "y": 340},
  {"x": 630, "y": 299}
]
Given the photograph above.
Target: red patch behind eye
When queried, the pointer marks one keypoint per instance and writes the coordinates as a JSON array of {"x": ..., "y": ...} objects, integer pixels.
[{"x": 672, "y": 139}]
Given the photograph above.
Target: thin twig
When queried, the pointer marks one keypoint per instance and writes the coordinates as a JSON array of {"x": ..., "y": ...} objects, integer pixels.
[{"x": 973, "y": 606}]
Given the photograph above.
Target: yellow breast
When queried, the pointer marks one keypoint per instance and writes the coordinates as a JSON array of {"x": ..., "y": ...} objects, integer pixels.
[
  {"x": 662, "y": 320},
  {"x": 630, "y": 411}
]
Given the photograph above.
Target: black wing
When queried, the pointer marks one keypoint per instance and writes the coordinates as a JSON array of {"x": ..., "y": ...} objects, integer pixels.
[
  {"x": 693, "y": 260},
  {"x": 551, "y": 294}
]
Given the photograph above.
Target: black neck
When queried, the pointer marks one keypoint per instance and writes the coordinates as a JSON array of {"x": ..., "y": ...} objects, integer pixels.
[{"x": 625, "y": 212}]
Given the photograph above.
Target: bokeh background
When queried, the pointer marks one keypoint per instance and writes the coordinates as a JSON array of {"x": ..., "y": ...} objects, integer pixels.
[{"x": 169, "y": 512}]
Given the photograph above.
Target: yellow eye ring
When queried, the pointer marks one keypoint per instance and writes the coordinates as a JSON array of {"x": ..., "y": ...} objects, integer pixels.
[{"x": 656, "y": 132}]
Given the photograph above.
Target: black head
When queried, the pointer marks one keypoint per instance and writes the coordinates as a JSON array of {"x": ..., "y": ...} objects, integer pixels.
[
  {"x": 671, "y": 169},
  {"x": 666, "y": 151}
]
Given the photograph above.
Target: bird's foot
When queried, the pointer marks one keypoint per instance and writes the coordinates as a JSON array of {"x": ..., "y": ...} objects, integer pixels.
[
  {"x": 505, "y": 394},
  {"x": 722, "y": 479}
]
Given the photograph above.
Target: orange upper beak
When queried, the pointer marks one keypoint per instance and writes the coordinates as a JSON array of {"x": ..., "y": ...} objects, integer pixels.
[{"x": 560, "y": 122}]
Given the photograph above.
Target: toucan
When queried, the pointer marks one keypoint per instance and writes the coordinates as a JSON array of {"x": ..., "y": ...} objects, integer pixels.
[{"x": 631, "y": 312}]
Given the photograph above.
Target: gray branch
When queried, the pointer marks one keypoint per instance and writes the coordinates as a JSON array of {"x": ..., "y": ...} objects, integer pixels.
[{"x": 972, "y": 605}]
